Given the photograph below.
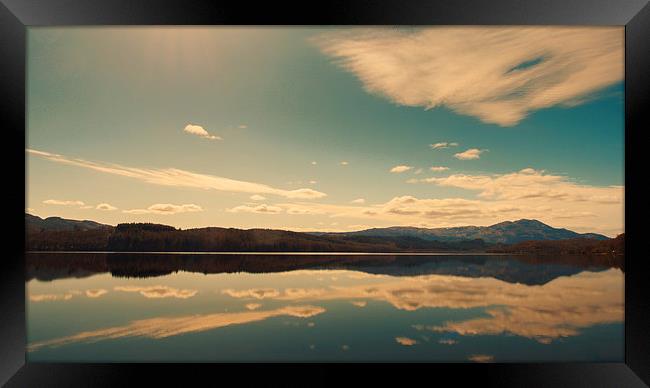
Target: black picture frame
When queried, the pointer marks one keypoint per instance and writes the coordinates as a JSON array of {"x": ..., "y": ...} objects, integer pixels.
[{"x": 17, "y": 15}]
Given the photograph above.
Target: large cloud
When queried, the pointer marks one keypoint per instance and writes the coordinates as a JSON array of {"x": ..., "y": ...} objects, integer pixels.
[
  {"x": 498, "y": 74},
  {"x": 179, "y": 178},
  {"x": 531, "y": 184}
]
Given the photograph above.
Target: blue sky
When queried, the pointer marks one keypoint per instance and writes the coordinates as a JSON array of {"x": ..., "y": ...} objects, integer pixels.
[{"x": 279, "y": 99}]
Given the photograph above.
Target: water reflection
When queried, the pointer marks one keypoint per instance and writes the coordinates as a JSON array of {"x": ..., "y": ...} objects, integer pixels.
[
  {"x": 557, "y": 309},
  {"x": 166, "y": 327},
  {"x": 386, "y": 308},
  {"x": 514, "y": 269}
]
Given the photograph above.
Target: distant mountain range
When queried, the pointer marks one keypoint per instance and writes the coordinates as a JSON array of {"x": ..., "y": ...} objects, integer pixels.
[
  {"x": 508, "y": 232},
  {"x": 58, "y": 234}
]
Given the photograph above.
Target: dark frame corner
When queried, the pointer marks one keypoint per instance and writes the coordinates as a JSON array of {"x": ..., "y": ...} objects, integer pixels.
[{"x": 17, "y": 15}]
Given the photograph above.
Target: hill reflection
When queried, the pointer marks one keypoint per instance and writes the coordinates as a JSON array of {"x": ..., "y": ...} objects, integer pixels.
[{"x": 529, "y": 270}]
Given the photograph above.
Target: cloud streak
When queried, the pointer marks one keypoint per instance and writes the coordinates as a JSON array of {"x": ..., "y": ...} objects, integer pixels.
[
  {"x": 259, "y": 209},
  {"x": 179, "y": 178},
  {"x": 59, "y": 202},
  {"x": 441, "y": 145},
  {"x": 497, "y": 74},
  {"x": 166, "y": 209}
]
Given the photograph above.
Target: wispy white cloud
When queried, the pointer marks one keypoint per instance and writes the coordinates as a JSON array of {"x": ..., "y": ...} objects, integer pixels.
[
  {"x": 105, "y": 207},
  {"x": 344, "y": 163},
  {"x": 358, "y": 201},
  {"x": 166, "y": 208},
  {"x": 443, "y": 144},
  {"x": 439, "y": 168},
  {"x": 481, "y": 71},
  {"x": 200, "y": 131},
  {"x": 470, "y": 154},
  {"x": 180, "y": 178},
  {"x": 242, "y": 126},
  {"x": 260, "y": 209},
  {"x": 59, "y": 202},
  {"x": 257, "y": 197},
  {"x": 400, "y": 169}
]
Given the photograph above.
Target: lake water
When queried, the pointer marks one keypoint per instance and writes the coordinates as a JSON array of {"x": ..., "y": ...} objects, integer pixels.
[{"x": 97, "y": 307}]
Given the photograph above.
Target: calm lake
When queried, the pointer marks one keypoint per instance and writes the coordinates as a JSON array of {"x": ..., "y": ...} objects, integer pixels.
[{"x": 122, "y": 307}]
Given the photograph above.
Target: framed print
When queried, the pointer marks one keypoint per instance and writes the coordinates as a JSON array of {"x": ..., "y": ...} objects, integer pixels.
[{"x": 284, "y": 194}]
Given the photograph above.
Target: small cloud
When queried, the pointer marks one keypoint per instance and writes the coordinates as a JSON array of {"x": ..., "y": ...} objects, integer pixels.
[
  {"x": 95, "y": 293},
  {"x": 359, "y": 303},
  {"x": 447, "y": 341},
  {"x": 166, "y": 208},
  {"x": 406, "y": 341},
  {"x": 439, "y": 168},
  {"x": 106, "y": 207},
  {"x": 260, "y": 209},
  {"x": 311, "y": 324},
  {"x": 253, "y": 306},
  {"x": 312, "y": 182},
  {"x": 344, "y": 163},
  {"x": 443, "y": 144},
  {"x": 313, "y": 163},
  {"x": 400, "y": 169},
  {"x": 345, "y": 348},
  {"x": 199, "y": 131},
  {"x": 481, "y": 358},
  {"x": 59, "y": 202},
  {"x": 242, "y": 126},
  {"x": 358, "y": 201},
  {"x": 418, "y": 171},
  {"x": 257, "y": 197},
  {"x": 470, "y": 154}
]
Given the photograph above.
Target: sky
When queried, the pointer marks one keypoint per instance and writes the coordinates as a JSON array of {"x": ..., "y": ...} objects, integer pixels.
[{"x": 330, "y": 129}]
